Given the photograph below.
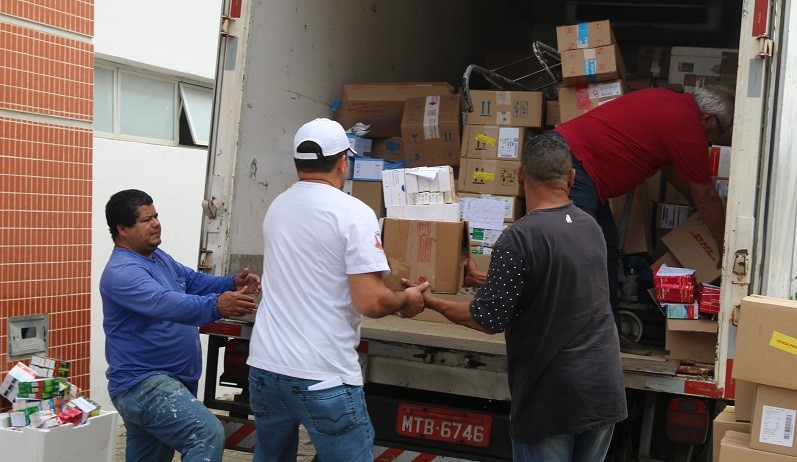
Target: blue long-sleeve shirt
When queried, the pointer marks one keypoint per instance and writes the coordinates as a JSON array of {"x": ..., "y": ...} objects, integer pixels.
[{"x": 152, "y": 308}]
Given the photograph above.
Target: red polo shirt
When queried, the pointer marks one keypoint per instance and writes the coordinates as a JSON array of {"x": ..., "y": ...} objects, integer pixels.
[{"x": 625, "y": 141}]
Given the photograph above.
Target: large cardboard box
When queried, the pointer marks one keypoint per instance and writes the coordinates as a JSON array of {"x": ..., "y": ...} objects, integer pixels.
[
  {"x": 735, "y": 447},
  {"x": 724, "y": 422},
  {"x": 591, "y": 65},
  {"x": 506, "y": 108},
  {"x": 426, "y": 250},
  {"x": 484, "y": 176},
  {"x": 430, "y": 131},
  {"x": 369, "y": 192},
  {"x": 744, "y": 400},
  {"x": 638, "y": 236},
  {"x": 653, "y": 61},
  {"x": 391, "y": 148},
  {"x": 691, "y": 339},
  {"x": 766, "y": 342},
  {"x": 774, "y": 419},
  {"x": 579, "y": 99},
  {"x": 693, "y": 60},
  {"x": 693, "y": 246},
  {"x": 494, "y": 142},
  {"x": 381, "y": 105},
  {"x": 552, "y": 114},
  {"x": 584, "y": 35}
]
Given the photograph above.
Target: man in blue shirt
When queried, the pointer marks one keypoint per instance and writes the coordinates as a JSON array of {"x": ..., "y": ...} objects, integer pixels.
[{"x": 152, "y": 308}]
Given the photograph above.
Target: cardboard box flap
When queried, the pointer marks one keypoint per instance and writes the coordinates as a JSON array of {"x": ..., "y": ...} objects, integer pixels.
[{"x": 692, "y": 325}]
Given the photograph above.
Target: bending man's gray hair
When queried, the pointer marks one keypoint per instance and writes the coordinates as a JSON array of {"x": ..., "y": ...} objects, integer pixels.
[{"x": 717, "y": 99}]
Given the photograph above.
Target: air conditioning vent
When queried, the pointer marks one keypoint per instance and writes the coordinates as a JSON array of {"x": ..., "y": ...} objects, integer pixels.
[{"x": 647, "y": 16}]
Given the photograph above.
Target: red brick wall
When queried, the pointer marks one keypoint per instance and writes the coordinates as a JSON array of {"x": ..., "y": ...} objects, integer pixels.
[{"x": 46, "y": 88}]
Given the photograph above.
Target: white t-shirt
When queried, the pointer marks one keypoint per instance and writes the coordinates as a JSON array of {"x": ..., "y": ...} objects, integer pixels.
[{"x": 306, "y": 326}]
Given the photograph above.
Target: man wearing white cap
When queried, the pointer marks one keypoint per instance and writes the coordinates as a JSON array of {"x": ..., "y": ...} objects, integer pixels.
[{"x": 323, "y": 269}]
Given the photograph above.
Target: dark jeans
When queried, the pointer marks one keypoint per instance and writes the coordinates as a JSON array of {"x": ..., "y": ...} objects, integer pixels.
[{"x": 585, "y": 197}]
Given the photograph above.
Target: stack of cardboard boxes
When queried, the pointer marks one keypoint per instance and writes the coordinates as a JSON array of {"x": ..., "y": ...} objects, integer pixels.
[
  {"x": 492, "y": 143},
  {"x": 592, "y": 67},
  {"x": 766, "y": 358}
]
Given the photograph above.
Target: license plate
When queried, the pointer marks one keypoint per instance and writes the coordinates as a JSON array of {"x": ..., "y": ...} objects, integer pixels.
[{"x": 444, "y": 425}]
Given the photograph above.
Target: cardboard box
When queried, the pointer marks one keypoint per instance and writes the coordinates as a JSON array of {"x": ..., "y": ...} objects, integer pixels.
[
  {"x": 480, "y": 237},
  {"x": 431, "y": 212},
  {"x": 360, "y": 145},
  {"x": 659, "y": 249},
  {"x": 483, "y": 176},
  {"x": 691, "y": 339},
  {"x": 94, "y": 441},
  {"x": 427, "y": 250},
  {"x": 774, "y": 419},
  {"x": 720, "y": 158},
  {"x": 515, "y": 206},
  {"x": 693, "y": 81},
  {"x": 638, "y": 237},
  {"x": 693, "y": 246},
  {"x": 394, "y": 187},
  {"x": 735, "y": 447},
  {"x": 744, "y": 400},
  {"x": 667, "y": 259},
  {"x": 766, "y": 341},
  {"x": 493, "y": 142},
  {"x": 552, "y": 114},
  {"x": 506, "y": 108},
  {"x": 654, "y": 187},
  {"x": 653, "y": 61},
  {"x": 370, "y": 192},
  {"x": 391, "y": 149},
  {"x": 584, "y": 35},
  {"x": 579, "y": 99},
  {"x": 673, "y": 196},
  {"x": 669, "y": 216},
  {"x": 381, "y": 105},
  {"x": 591, "y": 65},
  {"x": 724, "y": 422},
  {"x": 729, "y": 67},
  {"x": 693, "y": 60},
  {"x": 430, "y": 131}
]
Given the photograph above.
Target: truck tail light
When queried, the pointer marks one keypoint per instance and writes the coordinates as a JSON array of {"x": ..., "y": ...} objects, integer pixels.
[{"x": 687, "y": 420}]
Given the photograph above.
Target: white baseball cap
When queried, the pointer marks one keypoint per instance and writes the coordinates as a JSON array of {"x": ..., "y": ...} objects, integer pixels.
[{"x": 328, "y": 134}]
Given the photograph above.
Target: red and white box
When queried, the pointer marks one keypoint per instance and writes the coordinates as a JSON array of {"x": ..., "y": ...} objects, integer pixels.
[
  {"x": 708, "y": 299},
  {"x": 675, "y": 285}
]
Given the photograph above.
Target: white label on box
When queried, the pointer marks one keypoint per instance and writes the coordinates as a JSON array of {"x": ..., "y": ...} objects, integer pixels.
[
  {"x": 722, "y": 188},
  {"x": 431, "y": 118},
  {"x": 589, "y": 53},
  {"x": 508, "y": 200},
  {"x": 673, "y": 215},
  {"x": 393, "y": 187},
  {"x": 368, "y": 169},
  {"x": 503, "y": 97},
  {"x": 605, "y": 90},
  {"x": 484, "y": 213},
  {"x": 508, "y": 141},
  {"x": 777, "y": 426}
]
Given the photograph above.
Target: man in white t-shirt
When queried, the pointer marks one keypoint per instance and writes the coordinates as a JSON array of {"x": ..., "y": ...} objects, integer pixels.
[{"x": 323, "y": 269}]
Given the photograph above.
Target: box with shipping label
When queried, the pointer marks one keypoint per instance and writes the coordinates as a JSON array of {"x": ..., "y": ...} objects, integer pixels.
[
  {"x": 675, "y": 285},
  {"x": 514, "y": 206},
  {"x": 367, "y": 169},
  {"x": 480, "y": 237},
  {"x": 493, "y": 142},
  {"x": 591, "y": 65},
  {"x": 584, "y": 35},
  {"x": 720, "y": 158},
  {"x": 430, "y": 131},
  {"x": 552, "y": 114},
  {"x": 694, "y": 60},
  {"x": 638, "y": 237},
  {"x": 579, "y": 99},
  {"x": 653, "y": 61},
  {"x": 774, "y": 418},
  {"x": 484, "y": 176},
  {"x": 669, "y": 216},
  {"x": 426, "y": 251},
  {"x": 506, "y": 108},
  {"x": 766, "y": 341},
  {"x": 691, "y": 340},
  {"x": 370, "y": 192},
  {"x": 388, "y": 148},
  {"x": 695, "y": 248},
  {"x": 680, "y": 310},
  {"x": 735, "y": 447},
  {"x": 724, "y": 422},
  {"x": 381, "y": 105}
]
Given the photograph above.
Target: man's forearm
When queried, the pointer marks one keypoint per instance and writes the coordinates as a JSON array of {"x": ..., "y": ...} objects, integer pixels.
[{"x": 456, "y": 312}]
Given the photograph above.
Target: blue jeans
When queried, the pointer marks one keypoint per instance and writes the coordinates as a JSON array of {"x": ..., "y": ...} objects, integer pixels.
[
  {"x": 335, "y": 418},
  {"x": 162, "y": 416},
  {"x": 590, "y": 446}
]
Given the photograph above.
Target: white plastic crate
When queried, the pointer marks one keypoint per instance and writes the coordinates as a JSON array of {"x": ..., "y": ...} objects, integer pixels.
[{"x": 94, "y": 441}]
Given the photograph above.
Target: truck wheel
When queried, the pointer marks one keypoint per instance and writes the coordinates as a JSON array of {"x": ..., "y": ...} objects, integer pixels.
[{"x": 631, "y": 325}]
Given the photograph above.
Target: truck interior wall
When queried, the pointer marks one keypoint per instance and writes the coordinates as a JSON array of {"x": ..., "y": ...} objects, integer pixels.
[{"x": 301, "y": 52}]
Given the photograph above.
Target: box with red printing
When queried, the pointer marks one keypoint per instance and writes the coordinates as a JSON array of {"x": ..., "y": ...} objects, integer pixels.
[
  {"x": 708, "y": 299},
  {"x": 675, "y": 285}
]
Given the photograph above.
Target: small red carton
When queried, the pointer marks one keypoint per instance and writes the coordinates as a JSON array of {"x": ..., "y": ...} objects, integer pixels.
[
  {"x": 675, "y": 285},
  {"x": 708, "y": 299}
]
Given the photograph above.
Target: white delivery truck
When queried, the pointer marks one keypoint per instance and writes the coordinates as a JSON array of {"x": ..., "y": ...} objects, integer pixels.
[{"x": 438, "y": 391}]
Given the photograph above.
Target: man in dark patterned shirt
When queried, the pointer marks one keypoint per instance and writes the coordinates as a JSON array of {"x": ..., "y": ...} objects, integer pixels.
[{"x": 547, "y": 289}]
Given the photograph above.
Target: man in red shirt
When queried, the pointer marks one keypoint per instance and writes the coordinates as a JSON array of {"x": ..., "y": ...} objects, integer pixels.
[{"x": 617, "y": 145}]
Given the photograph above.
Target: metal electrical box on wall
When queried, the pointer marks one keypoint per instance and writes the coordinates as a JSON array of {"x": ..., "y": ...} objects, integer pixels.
[{"x": 27, "y": 335}]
